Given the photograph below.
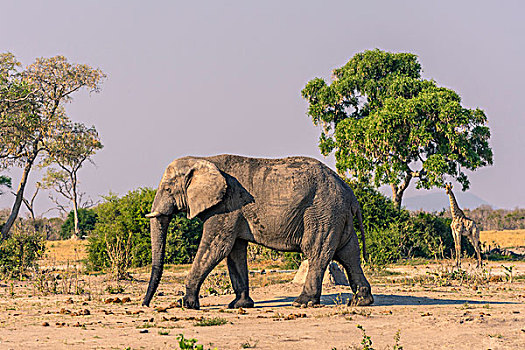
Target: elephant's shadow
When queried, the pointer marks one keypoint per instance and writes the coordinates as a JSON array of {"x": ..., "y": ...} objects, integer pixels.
[{"x": 380, "y": 300}]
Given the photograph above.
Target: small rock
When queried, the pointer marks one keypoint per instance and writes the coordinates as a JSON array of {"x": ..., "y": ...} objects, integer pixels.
[
  {"x": 143, "y": 331},
  {"x": 241, "y": 311},
  {"x": 45, "y": 324},
  {"x": 126, "y": 300},
  {"x": 170, "y": 319},
  {"x": 175, "y": 304}
]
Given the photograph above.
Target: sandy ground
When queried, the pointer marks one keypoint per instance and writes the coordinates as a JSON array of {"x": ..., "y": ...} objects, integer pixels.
[{"x": 444, "y": 314}]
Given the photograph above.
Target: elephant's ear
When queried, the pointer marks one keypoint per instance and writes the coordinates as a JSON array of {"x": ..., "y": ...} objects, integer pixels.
[{"x": 205, "y": 187}]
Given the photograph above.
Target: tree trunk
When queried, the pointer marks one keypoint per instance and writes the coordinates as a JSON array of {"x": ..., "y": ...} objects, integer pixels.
[
  {"x": 30, "y": 204},
  {"x": 397, "y": 192},
  {"x": 397, "y": 196},
  {"x": 75, "y": 205},
  {"x": 19, "y": 198}
]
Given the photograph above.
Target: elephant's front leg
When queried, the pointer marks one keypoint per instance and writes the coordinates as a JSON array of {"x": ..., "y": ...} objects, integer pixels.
[
  {"x": 238, "y": 269},
  {"x": 218, "y": 238}
]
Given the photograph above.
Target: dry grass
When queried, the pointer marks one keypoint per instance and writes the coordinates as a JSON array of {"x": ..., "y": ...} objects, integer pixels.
[
  {"x": 505, "y": 238},
  {"x": 60, "y": 252}
]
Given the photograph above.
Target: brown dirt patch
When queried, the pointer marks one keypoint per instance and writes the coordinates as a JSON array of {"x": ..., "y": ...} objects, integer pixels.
[{"x": 430, "y": 310}]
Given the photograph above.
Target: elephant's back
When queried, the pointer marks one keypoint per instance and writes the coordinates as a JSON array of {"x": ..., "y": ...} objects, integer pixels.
[
  {"x": 286, "y": 180},
  {"x": 280, "y": 174}
]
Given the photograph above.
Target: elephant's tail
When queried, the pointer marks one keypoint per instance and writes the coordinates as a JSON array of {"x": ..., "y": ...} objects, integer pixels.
[{"x": 359, "y": 216}]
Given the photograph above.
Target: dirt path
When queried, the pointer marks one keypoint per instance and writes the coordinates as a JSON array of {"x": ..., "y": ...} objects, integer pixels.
[{"x": 444, "y": 315}]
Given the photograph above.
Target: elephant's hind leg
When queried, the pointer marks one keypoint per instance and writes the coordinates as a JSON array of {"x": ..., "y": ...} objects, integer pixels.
[
  {"x": 238, "y": 269},
  {"x": 349, "y": 257},
  {"x": 319, "y": 255},
  {"x": 311, "y": 294}
]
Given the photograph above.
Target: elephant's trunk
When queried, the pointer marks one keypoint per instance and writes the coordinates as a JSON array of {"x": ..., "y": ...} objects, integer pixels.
[{"x": 159, "y": 230}]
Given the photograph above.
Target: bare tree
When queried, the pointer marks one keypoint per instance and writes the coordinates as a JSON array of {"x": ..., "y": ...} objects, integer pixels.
[{"x": 69, "y": 150}]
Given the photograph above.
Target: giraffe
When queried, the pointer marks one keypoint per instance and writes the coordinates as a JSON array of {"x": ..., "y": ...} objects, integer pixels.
[{"x": 462, "y": 226}]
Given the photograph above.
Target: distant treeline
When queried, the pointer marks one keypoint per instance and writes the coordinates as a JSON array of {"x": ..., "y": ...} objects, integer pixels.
[{"x": 488, "y": 218}]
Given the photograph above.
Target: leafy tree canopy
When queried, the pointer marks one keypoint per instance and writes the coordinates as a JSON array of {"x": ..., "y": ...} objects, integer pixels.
[{"x": 388, "y": 125}]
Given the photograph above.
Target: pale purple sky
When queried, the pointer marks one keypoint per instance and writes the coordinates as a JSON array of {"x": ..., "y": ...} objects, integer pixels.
[{"x": 211, "y": 77}]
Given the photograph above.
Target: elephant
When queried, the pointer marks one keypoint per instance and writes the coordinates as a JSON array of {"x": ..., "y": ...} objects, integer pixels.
[{"x": 294, "y": 204}]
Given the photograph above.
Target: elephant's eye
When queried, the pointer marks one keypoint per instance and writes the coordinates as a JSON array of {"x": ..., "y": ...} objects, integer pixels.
[{"x": 168, "y": 189}]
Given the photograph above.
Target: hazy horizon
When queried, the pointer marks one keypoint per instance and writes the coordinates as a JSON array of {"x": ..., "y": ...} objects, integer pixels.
[{"x": 209, "y": 78}]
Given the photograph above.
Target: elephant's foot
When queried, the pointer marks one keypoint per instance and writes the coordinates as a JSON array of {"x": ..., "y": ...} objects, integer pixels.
[
  {"x": 241, "y": 301},
  {"x": 304, "y": 300},
  {"x": 362, "y": 297},
  {"x": 190, "y": 302}
]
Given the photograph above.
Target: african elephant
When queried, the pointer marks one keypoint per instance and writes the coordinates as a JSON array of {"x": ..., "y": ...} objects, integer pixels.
[{"x": 292, "y": 204}]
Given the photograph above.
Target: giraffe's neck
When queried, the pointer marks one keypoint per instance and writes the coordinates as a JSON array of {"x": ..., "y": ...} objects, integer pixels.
[{"x": 454, "y": 207}]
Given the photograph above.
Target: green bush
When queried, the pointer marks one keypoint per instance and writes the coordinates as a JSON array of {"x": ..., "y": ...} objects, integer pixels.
[
  {"x": 183, "y": 240},
  {"x": 21, "y": 250},
  {"x": 121, "y": 224},
  {"x": 393, "y": 234},
  {"x": 86, "y": 223},
  {"x": 292, "y": 260}
]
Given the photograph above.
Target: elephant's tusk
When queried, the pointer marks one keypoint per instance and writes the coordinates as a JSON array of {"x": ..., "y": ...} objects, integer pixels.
[{"x": 153, "y": 214}]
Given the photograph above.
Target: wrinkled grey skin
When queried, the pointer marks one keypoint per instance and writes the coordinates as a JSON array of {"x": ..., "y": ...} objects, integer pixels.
[{"x": 293, "y": 204}]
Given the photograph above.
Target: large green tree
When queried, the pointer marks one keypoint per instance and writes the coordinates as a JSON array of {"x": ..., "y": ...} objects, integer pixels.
[
  {"x": 387, "y": 125},
  {"x": 32, "y": 111}
]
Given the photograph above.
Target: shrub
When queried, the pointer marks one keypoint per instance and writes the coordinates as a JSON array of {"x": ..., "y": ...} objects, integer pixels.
[
  {"x": 292, "y": 260},
  {"x": 393, "y": 234},
  {"x": 21, "y": 250},
  {"x": 183, "y": 240},
  {"x": 86, "y": 223},
  {"x": 121, "y": 222},
  {"x": 122, "y": 227}
]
